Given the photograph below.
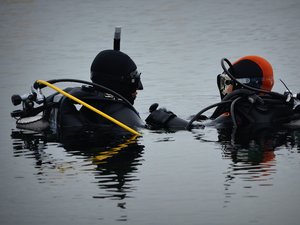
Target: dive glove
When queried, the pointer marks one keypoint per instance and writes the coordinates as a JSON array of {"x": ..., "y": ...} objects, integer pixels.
[{"x": 162, "y": 118}]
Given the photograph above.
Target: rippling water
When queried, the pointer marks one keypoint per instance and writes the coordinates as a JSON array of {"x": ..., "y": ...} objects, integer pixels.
[{"x": 201, "y": 177}]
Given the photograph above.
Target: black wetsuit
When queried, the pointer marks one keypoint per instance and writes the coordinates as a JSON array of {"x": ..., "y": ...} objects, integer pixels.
[
  {"x": 239, "y": 108},
  {"x": 246, "y": 107},
  {"x": 64, "y": 113}
]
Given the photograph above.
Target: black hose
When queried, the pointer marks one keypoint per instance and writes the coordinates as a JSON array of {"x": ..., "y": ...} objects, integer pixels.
[
  {"x": 232, "y": 112},
  {"x": 188, "y": 126},
  {"x": 238, "y": 93},
  {"x": 103, "y": 88}
]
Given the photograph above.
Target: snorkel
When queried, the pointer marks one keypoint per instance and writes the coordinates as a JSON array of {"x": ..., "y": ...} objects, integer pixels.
[{"x": 117, "y": 38}]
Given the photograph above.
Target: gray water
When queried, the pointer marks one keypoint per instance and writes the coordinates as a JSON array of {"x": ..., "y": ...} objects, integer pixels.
[{"x": 160, "y": 178}]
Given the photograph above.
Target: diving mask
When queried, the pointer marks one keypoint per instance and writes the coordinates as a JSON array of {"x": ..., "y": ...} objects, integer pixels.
[
  {"x": 225, "y": 84},
  {"x": 135, "y": 78}
]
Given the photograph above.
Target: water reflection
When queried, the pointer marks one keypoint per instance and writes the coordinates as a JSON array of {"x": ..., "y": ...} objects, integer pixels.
[
  {"x": 252, "y": 151},
  {"x": 112, "y": 160},
  {"x": 255, "y": 145}
]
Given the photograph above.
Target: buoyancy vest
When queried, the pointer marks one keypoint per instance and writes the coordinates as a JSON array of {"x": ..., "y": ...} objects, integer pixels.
[
  {"x": 65, "y": 113},
  {"x": 250, "y": 108}
]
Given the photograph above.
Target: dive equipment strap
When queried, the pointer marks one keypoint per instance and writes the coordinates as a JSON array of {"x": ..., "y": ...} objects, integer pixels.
[{"x": 120, "y": 124}]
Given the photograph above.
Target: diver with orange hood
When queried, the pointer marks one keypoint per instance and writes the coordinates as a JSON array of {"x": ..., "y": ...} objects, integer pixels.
[{"x": 246, "y": 99}]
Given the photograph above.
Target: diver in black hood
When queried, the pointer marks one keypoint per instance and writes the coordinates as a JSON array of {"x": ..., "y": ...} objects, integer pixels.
[
  {"x": 118, "y": 72},
  {"x": 112, "y": 92}
]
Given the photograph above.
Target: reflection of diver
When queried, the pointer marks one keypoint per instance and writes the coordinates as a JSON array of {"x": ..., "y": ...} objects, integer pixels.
[
  {"x": 116, "y": 161},
  {"x": 31, "y": 143},
  {"x": 252, "y": 150},
  {"x": 254, "y": 144},
  {"x": 116, "y": 157},
  {"x": 257, "y": 143},
  {"x": 116, "y": 169}
]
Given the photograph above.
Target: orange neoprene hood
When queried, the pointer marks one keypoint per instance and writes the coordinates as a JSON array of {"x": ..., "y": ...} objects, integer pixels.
[{"x": 265, "y": 67}]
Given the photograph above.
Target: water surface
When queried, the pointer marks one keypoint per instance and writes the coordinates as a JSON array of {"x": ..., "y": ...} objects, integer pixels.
[{"x": 198, "y": 177}]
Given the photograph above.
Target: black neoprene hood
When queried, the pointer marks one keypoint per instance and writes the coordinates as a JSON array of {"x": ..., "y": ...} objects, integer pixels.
[{"x": 111, "y": 65}]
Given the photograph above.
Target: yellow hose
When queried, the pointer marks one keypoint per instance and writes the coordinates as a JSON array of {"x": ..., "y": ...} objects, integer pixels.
[{"x": 89, "y": 107}]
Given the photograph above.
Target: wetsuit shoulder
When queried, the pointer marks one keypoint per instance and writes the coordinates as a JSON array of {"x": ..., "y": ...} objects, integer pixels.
[{"x": 71, "y": 114}]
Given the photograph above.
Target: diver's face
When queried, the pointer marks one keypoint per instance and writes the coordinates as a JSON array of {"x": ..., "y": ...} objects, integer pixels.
[
  {"x": 136, "y": 84},
  {"x": 225, "y": 84}
]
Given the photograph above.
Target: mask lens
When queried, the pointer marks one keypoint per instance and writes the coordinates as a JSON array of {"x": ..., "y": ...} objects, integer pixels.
[
  {"x": 251, "y": 81},
  {"x": 135, "y": 77}
]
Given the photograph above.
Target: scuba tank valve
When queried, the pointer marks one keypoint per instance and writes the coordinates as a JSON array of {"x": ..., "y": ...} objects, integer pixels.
[
  {"x": 34, "y": 96},
  {"x": 18, "y": 99},
  {"x": 27, "y": 101}
]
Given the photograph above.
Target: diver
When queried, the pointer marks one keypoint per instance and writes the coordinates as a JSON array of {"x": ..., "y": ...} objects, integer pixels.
[
  {"x": 115, "y": 83},
  {"x": 246, "y": 99},
  {"x": 112, "y": 92}
]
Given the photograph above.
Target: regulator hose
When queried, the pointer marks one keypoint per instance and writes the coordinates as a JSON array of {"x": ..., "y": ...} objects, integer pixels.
[
  {"x": 120, "y": 124},
  {"x": 100, "y": 87},
  {"x": 189, "y": 125},
  {"x": 232, "y": 111}
]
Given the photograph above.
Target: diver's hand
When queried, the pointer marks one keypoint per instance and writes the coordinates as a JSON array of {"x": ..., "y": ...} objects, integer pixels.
[
  {"x": 164, "y": 119},
  {"x": 159, "y": 118}
]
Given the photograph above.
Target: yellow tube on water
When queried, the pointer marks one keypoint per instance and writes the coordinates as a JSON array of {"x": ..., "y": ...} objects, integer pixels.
[
  {"x": 102, "y": 156},
  {"x": 120, "y": 124}
]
